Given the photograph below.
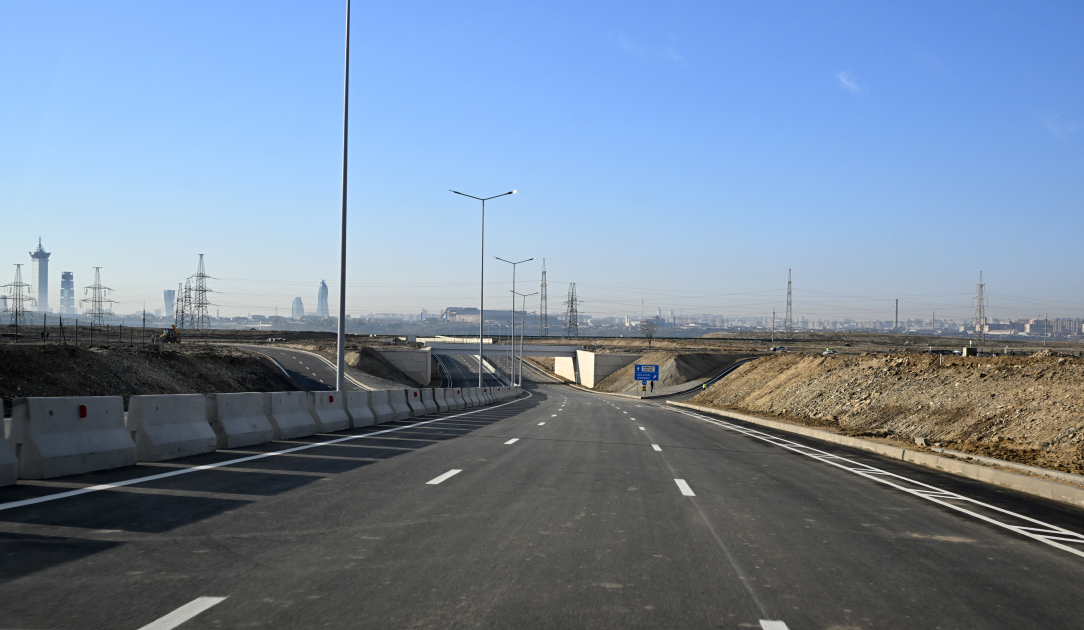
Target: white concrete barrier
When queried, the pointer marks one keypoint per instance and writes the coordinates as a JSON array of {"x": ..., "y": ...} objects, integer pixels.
[
  {"x": 397, "y": 400},
  {"x": 429, "y": 402},
  {"x": 168, "y": 427},
  {"x": 289, "y": 415},
  {"x": 440, "y": 397},
  {"x": 414, "y": 401},
  {"x": 486, "y": 395},
  {"x": 53, "y": 437},
  {"x": 476, "y": 396},
  {"x": 455, "y": 396},
  {"x": 9, "y": 464},
  {"x": 239, "y": 419},
  {"x": 470, "y": 397},
  {"x": 328, "y": 409},
  {"x": 381, "y": 406},
  {"x": 357, "y": 407}
]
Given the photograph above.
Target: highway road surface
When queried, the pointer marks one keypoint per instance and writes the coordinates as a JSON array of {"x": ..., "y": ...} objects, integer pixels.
[
  {"x": 462, "y": 371},
  {"x": 309, "y": 371},
  {"x": 563, "y": 509}
]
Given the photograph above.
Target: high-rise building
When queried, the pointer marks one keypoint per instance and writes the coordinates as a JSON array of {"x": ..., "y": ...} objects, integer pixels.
[
  {"x": 297, "y": 310},
  {"x": 321, "y": 301},
  {"x": 67, "y": 293},
  {"x": 39, "y": 277},
  {"x": 3, "y": 303},
  {"x": 170, "y": 296}
]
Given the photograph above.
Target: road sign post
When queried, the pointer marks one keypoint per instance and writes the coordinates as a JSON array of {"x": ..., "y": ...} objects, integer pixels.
[{"x": 645, "y": 373}]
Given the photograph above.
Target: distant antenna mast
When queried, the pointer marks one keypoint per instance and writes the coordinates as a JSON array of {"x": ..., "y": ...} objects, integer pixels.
[
  {"x": 980, "y": 311},
  {"x": 543, "y": 315},
  {"x": 788, "y": 323},
  {"x": 97, "y": 299},
  {"x": 18, "y": 301},
  {"x": 572, "y": 318},
  {"x": 201, "y": 318}
]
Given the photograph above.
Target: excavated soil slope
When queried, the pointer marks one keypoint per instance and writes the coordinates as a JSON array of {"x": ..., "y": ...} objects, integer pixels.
[
  {"x": 1024, "y": 409},
  {"x": 53, "y": 370},
  {"x": 674, "y": 369}
]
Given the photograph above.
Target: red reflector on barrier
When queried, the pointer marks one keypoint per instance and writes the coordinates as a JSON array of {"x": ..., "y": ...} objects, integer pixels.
[
  {"x": 82, "y": 411},
  {"x": 415, "y": 394},
  {"x": 331, "y": 399}
]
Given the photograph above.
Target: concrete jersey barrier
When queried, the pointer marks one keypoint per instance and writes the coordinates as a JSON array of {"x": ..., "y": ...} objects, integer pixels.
[
  {"x": 429, "y": 402},
  {"x": 53, "y": 437},
  {"x": 289, "y": 415},
  {"x": 397, "y": 400},
  {"x": 476, "y": 396},
  {"x": 328, "y": 409},
  {"x": 454, "y": 396},
  {"x": 414, "y": 401},
  {"x": 468, "y": 397},
  {"x": 381, "y": 406},
  {"x": 169, "y": 426},
  {"x": 9, "y": 464},
  {"x": 239, "y": 419},
  {"x": 440, "y": 397},
  {"x": 357, "y": 407}
]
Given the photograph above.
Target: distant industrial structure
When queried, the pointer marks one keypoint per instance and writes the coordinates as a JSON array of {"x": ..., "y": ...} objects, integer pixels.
[
  {"x": 321, "y": 301},
  {"x": 297, "y": 309},
  {"x": 39, "y": 277},
  {"x": 67, "y": 293}
]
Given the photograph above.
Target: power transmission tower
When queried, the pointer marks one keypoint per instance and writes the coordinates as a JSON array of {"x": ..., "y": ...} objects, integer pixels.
[
  {"x": 17, "y": 300},
  {"x": 788, "y": 323},
  {"x": 186, "y": 306},
  {"x": 178, "y": 307},
  {"x": 543, "y": 307},
  {"x": 97, "y": 299},
  {"x": 199, "y": 316},
  {"x": 572, "y": 318},
  {"x": 980, "y": 311}
]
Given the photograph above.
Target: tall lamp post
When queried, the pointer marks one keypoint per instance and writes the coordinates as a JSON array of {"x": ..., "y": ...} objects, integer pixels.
[
  {"x": 482, "y": 287},
  {"x": 340, "y": 354},
  {"x": 512, "y": 337},
  {"x": 522, "y": 325}
]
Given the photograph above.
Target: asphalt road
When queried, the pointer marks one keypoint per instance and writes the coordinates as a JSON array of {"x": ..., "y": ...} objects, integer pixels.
[
  {"x": 561, "y": 510},
  {"x": 462, "y": 371},
  {"x": 308, "y": 371}
]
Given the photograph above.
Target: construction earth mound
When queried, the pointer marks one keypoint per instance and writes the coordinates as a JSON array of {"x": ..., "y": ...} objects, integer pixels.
[
  {"x": 59, "y": 370},
  {"x": 1028, "y": 410}
]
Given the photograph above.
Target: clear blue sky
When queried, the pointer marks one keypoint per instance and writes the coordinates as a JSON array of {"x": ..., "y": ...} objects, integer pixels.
[{"x": 695, "y": 151}]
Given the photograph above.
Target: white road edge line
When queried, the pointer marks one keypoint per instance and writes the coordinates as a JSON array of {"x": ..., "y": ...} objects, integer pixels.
[
  {"x": 448, "y": 475},
  {"x": 685, "y": 489},
  {"x": 184, "y": 613},
  {"x": 240, "y": 460},
  {"x": 512, "y": 441},
  {"x": 656, "y": 447},
  {"x": 766, "y": 624}
]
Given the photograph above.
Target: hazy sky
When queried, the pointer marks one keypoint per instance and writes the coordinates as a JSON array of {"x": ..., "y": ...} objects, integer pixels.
[{"x": 691, "y": 151}]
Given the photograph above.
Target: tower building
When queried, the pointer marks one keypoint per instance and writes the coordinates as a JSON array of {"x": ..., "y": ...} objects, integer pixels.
[
  {"x": 39, "y": 276},
  {"x": 170, "y": 297},
  {"x": 67, "y": 293},
  {"x": 321, "y": 301},
  {"x": 297, "y": 310}
]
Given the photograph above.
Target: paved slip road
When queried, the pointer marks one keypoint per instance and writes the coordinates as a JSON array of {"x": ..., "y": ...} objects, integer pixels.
[
  {"x": 559, "y": 510},
  {"x": 308, "y": 371},
  {"x": 462, "y": 371}
]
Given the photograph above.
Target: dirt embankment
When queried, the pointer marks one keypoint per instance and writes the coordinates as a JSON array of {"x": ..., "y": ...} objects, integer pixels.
[
  {"x": 1024, "y": 409},
  {"x": 675, "y": 368},
  {"x": 56, "y": 370}
]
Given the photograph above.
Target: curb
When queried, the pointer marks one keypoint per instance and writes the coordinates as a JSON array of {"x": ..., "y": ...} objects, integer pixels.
[{"x": 1014, "y": 481}]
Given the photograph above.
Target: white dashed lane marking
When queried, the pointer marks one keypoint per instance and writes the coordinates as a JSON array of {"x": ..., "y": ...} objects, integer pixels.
[
  {"x": 512, "y": 441},
  {"x": 184, "y": 613},
  {"x": 685, "y": 489},
  {"x": 656, "y": 447},
  {"x": 447, "y": 475},
  {"x": 541, "y": 423},
  {"x": 643, "y": 429},
  {"x": 766, "y": 624}
]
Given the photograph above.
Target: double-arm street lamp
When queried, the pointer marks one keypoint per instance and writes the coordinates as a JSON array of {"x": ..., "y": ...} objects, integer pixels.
[
  {"x": 512, "y": 338},
  {"x": 482, "y": 288},
  {"x": 522, "y": 325}
]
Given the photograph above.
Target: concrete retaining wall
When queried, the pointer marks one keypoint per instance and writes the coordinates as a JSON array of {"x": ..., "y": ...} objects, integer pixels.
[
  {"x": 595, "y": 367},
  {"x": 53, "y": 437},
  {"x": 397, "y": 400},
  {"x": 381, "y": 406},
  {"x": 414, "y": 401},
  {"x": 239, "y": 419},
  {"x": 565, "y": 367},
  {"x": 328, "y": 409},
  {"x": 289, "y": 415},
  {"x": 1022, "y": 483},
  {"x": 417, "y": 364},
  {"x": 168, "y": 427},
  {"x": 429, "y": 402},
  {"x": 357, "y": 407}
]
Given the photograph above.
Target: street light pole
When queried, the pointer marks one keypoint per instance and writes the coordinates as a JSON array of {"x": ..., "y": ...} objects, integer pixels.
[
  {"x": 522, "y": 325},
  {"x": 340, "y": 355},
  {"x": 512, "y": 337},
  {"x": 482, "y": 284}
]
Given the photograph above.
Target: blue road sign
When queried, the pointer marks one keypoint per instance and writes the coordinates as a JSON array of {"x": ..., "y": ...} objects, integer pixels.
[{"x": 647, "y": 372}]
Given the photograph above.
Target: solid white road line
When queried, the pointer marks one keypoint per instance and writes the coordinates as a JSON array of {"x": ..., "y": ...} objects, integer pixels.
[
  {"x": 451, "y": 473},
  {"x": 541, "y": 423},
  {"x": 772, "y": 625},
  {"x": 183, "y": 614},
  {"x": 685, "y": 489},
  {"x": 656, "y": 447},
  {"x": 512, "y": 441}
]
